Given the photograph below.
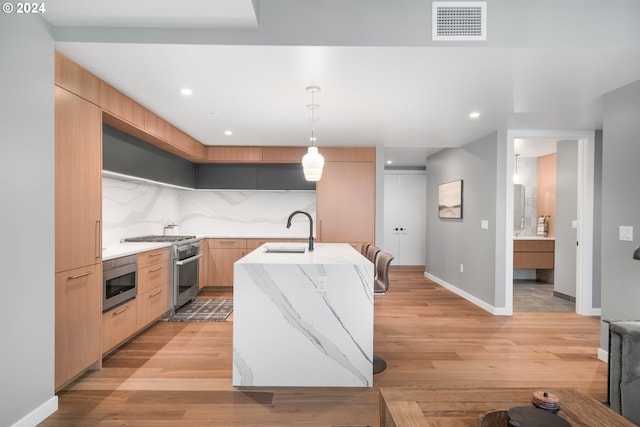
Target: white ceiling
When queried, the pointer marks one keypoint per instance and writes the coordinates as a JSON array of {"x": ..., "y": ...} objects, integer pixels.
[{"x": 399, "y": 97}]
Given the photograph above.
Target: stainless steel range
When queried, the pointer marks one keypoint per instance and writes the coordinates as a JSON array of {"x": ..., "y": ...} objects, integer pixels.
[{"x": 185, "y": 268}]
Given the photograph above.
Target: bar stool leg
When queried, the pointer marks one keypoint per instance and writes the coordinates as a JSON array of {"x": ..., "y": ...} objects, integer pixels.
[{"x": 379, "y": 364}]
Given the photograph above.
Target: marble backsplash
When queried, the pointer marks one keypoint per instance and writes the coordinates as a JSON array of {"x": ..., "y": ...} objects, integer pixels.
[{"x": 138, "y": 208}]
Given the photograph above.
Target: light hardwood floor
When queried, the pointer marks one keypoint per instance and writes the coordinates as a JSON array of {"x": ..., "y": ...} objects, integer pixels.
[{"x": 179, "y": 374}]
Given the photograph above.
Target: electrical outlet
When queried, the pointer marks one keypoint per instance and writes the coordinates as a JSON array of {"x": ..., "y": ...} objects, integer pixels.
[
  {"x": 322, "y": 284},
  {"x": 484, "y": 224},
  {"x": 461, "y": 268}
]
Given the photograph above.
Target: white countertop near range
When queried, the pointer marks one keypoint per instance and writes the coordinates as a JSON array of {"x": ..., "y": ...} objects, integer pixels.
[{"x": 130, "y": 248}]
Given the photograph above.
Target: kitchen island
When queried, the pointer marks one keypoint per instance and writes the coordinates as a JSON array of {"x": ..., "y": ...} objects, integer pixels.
[{"x": 303, "y": 319}]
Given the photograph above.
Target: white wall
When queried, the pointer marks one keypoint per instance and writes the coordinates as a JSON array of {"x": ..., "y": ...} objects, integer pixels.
[{"x": 27, "y": 218}]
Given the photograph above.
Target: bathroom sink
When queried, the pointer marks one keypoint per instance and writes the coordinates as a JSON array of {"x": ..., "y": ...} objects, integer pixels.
[{"x": 285, "y": 250}]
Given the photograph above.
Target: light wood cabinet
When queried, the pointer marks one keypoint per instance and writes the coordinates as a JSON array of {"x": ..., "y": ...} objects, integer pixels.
[
  {"x": 152, "y": 305},
  {"x": 153, "y": 286},
  {"x": 538, "y": 254},
  {"x": 118, "y": 104},
  {"x": 118, "y": 324},
  {"x": 76, "y": 79},
  {"x": 222, "y": 253},
  {"x": 78, "y": 228},
  {"x": 203, "y": 275},
  {"x": 157, "y": 126},
  {"x": 346, "y": 203},
  {"x": 283, "y": 154},
  {"x": 78, "y": 305},
  {"x": 78, "y": 181},
  {"x": 234, "y": 154}
]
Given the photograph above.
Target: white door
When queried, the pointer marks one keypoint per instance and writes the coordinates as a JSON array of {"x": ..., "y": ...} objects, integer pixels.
[{"x": 404, "y": 216}]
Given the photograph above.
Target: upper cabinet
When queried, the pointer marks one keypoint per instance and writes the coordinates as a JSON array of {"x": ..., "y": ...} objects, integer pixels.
[
  {"x": 76, "y": 79},
  {"x": 346, "y": 196},
  {"x": 78, "y": 181}
]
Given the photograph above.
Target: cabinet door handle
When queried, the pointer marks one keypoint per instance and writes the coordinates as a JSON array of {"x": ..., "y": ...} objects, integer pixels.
[
  {"x": 155, "y": 295},
  {"x": 228, "y": 243},
  {"x": 152, "y": 255},
  {"x": 79, "y": 275},
  {"x": 117, "y": 312},
  {"x": 155, "y": 269},
  {"x": 98, "y": 236}
]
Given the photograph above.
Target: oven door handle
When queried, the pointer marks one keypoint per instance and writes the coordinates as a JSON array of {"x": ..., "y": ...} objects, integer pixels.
[{"x": 188, "y": 260}]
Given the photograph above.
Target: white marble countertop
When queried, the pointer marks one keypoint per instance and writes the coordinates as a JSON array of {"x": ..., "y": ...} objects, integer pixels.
[
  {"x": 130, "y": 248},
  {"x": 533, "y": 238},
  {"x": 324, "y": 253},
  {"x": 303, "y": 319}
]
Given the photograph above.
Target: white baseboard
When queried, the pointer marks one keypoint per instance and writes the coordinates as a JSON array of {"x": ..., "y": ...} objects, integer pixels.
[
  {"x": 603, "y": 355},
  {"x": 474, "y": 300},
  {"x": 594, "y": 312},
  {"x": 39, "y": 414}
]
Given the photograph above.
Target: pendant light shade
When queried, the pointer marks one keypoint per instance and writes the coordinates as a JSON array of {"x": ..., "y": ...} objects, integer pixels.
[{"x": 313, "y": 162}]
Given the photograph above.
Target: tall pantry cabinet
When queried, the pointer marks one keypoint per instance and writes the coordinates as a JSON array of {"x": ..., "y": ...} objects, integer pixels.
[{"x": 78, "y": 228}]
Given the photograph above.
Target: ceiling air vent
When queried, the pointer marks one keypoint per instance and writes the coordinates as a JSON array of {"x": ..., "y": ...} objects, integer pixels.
[{"x": 459, "y": 20}]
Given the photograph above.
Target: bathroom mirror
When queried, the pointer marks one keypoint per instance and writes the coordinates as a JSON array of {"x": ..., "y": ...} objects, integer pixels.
[{"x": 518, "y": 206}]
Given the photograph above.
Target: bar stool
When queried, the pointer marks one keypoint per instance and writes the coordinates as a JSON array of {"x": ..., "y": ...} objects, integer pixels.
[{"x": 380, "y": 286}]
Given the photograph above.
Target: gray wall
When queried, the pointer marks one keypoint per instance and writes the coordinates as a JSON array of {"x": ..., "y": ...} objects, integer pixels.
[
  {"x": 566, "y": 211},
  {"x": 597, "y": 223},
  {"x": 451, "y": 242},
  {"x": 27, "y": 217},
  {"x": 620, "y": 205}
]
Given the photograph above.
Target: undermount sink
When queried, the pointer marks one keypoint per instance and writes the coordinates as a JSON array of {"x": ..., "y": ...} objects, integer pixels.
[{"x": 285, "y": 250}]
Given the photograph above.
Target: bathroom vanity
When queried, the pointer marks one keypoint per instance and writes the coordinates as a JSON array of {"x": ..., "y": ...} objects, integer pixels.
[{"x": 535, "y": 253}]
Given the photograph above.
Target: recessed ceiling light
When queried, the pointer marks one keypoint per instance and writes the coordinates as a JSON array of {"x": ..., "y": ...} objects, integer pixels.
[
  {"x": 186, "y": 91},
  {"x": 474, "y": 115},
  {"x": 228, "y": 132},
  {"x": 389, "y": 162}
]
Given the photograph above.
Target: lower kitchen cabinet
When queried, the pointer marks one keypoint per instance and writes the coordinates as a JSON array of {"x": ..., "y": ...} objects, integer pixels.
[
  {"x": 152, "y": 301},
  {"x": 77, "y": 318},
  {"x": 153, "y": 286},
  {"x": 118, "y": 324},
  {"x": 152, "y": 305},
  {"x": 221, "y": 254}
]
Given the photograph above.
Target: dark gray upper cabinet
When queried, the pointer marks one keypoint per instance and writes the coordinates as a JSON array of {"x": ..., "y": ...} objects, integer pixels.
[
  {"x": 126, "y": 154},
  {"x": 283, "y": 177},
  {"x": 227, "y": 176},
  {"x": 252, "y": 177}
]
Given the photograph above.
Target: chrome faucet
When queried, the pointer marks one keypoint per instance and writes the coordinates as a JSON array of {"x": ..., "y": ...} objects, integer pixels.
[{"x": 310, "y": 226}]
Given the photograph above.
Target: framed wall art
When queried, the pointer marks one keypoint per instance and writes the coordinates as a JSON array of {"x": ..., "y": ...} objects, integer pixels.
[{"x": 450, "y": 200}]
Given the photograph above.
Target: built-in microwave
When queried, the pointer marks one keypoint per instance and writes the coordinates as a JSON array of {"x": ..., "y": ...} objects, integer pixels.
[{"x": 119, "y": 281}]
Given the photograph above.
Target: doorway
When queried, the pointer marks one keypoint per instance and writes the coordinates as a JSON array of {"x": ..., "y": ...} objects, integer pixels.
[
  {"x": 583, "y": 224},
  {"x": 545, "y": 221}
]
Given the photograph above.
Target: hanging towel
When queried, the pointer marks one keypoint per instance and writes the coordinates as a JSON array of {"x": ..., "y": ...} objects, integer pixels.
[{"x": 540, "y": 230}]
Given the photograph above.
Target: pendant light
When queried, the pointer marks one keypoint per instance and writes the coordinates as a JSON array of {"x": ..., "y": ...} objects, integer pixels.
[
  {"x": 516, "y": 178},
  {"x": 313, "y": 162}
]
